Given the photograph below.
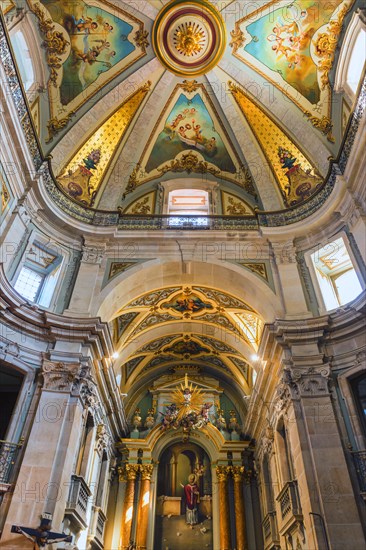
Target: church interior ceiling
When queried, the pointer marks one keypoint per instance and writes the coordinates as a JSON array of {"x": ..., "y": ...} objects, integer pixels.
[
  {"x": 132, "y": 97},
  {"x": 186, "y": 327}
]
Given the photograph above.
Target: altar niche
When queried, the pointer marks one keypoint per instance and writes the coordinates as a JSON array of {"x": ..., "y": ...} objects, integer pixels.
[{"x": 184, "y": 499}]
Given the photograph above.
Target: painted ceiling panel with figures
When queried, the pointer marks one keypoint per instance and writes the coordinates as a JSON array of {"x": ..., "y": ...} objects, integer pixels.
[
  {"x": 192, "y": 325},
  {"x": 273, "y": 63}
]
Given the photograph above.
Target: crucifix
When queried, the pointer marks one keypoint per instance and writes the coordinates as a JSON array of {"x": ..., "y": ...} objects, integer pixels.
[{"x": 42, "y": 535}]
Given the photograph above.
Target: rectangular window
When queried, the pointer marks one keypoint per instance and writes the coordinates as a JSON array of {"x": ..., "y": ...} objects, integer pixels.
[
  {"x": 336, "y": 276},
  {"x": 28, "y": 283},
  {"x": 38, "y": 275}
]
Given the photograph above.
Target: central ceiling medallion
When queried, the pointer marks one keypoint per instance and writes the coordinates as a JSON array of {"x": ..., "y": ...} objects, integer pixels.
[{"x": 189, "y": 37}]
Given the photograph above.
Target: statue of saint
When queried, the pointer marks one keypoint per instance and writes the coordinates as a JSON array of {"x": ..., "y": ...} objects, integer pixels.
[{"x": 192, "y": 496}]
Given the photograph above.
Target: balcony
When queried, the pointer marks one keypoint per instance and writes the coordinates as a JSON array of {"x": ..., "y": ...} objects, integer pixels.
[
  {"x": 77, "y": 504},
  {"x": 8, "y": 456},
  {"x": 289, "y": 506},
  {"x": 270, "y": 532},
  {"x": 359, "y": 459},
  {"x": 96, "y": 535}
]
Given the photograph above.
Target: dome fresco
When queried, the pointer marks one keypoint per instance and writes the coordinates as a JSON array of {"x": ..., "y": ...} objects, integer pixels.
[{"x": 234, "y": 96}]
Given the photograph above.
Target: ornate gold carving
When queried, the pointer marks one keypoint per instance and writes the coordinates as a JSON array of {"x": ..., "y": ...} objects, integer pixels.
[
  {"x": 141, "y": 40},
  {"x": 189, "y": 39},
  {"x": 146, "y": 471},
  {"x": 119, "y": 267},
  {"x": 238, "y": 473},
  {"x": 54, "y": 42},
  {"x": 258, "y": 269},
  {"x": 237, "y": 39},
  {"x": 296, "y": 176},
  {"x": 324, "y": 124},
  {"x": 235, "y": 208},
  {"x": 128, "y": 472},
  {"x": 222, "y": 473},
  {"x": 141, "y": 207},
  {"x": 189, "y": 162},
  {"x": 326, "y": 44},
  {"x": 54, "y": 125},
  {"x": 190, "y": 86}
]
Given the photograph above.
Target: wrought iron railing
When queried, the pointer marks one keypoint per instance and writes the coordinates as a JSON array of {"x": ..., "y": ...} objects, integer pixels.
[
  {"x": 359, "y": 458},
  {"x": 8, "y": 455},
  {"x": 77, "y": 504}
]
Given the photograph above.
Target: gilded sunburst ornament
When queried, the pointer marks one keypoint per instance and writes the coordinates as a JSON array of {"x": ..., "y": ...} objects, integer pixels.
[{"x": 189, "y": 39}]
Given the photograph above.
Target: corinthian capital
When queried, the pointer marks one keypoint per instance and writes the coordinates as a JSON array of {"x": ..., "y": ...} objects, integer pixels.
[
  {"x": 128, "y": 472},
  {"x": 58, "y": 376},
  {"x": 238, "y": 473},
  {"x": 222, "y": 472},
  {"x": 146, "y": 471}
]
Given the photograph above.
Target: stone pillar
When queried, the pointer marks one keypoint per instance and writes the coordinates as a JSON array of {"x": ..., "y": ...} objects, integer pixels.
[
  {"x": 324, "y": 482},
  {"x": 224, "y": 520},
  {"x": 288, "y": 270},
  {"x": 44, "y": 478},
  {"x": 128, "y": 474},
  {"x": 83, "y": 292},
  {"x": 238, "y": 474},
  {"x": 143, "y": 511}
]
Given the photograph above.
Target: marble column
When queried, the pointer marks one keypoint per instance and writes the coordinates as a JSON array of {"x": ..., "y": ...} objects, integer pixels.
[
  {"x": 238, "y": 474},
  {"x": 222, "y": 473},
  {"x": 128, "y": 474},
  {"x": 144, "y": 501}
]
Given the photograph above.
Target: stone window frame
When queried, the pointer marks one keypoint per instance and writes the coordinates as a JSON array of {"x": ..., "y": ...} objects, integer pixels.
[{"x": 309, "y": 262}]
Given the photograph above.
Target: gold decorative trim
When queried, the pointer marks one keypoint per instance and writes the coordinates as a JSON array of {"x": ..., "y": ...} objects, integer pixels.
[
  {"x": 259, "y": 269},
  {"x": 141, "y": 40},
  {"x": 54, "y": 125},
  {"x": 189, "y": 162}
]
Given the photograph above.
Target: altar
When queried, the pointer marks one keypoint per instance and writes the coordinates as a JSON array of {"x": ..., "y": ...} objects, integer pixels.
[{"x": 172, "y": 506}]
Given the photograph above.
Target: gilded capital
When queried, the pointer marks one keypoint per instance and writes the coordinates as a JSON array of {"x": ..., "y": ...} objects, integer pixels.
[
  {"x": 238, "y": 473},
  {"x": 146, "y": 471},
  {"x": 222, "y": 472},
  {"x": 128, "y": 472}
]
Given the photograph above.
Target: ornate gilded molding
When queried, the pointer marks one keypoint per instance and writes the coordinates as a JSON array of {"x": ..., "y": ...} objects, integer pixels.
[
  {"x": 237, "y": 39},
  {"x": 190, "y": 86},
  {"x": 146, "y": 471},
  {"x": 54, "y": 41},
  {"x": 238, "y": 473},
  {"x": 189, "y": 162},
  {"x": 324, "y": 124},
  {"x": 141, "y": 39},
  {"x": 222, "y": 473},
  {"x": 128, "y": 472}
]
